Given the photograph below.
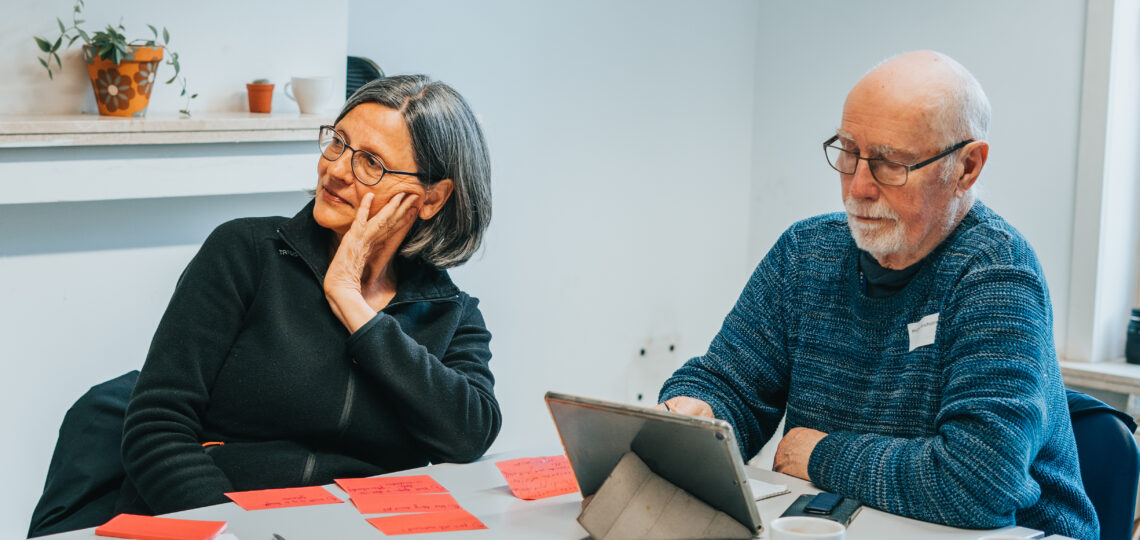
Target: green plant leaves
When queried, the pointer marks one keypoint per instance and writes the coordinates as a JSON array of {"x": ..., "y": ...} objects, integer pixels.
[
  {"x": 177, "y": 67},
  {"x": 109, "y": 43}
]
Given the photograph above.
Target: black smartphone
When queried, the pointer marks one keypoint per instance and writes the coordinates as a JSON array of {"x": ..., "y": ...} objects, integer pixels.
[
  {"x": 843, "y": 512},
  {"x": 823, "y": 503}
]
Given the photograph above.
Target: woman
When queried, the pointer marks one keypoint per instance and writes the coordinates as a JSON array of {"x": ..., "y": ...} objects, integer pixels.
[{"x": 329, "y": 345}]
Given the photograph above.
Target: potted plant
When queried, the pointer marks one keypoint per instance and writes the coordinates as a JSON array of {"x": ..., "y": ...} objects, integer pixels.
[
  {"x": 122, "y": 71},
  {"x": 260, "y": 95}
]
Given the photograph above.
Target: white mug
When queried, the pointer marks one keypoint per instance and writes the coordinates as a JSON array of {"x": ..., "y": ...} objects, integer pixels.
[
  {"x": 806, "y": 528},
  {"x": 311, "y": 93}
]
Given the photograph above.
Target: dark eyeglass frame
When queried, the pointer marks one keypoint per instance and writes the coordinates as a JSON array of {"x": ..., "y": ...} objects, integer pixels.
[
  {"x": 908, "y": 168},
  {"x": 331, "y": 130}
]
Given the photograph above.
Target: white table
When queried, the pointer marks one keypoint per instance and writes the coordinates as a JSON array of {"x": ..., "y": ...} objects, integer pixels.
[{"x": 480, "y": 489}]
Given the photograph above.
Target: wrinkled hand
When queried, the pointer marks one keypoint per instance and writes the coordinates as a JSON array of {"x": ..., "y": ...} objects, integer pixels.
[
  {"x": 686, "y": 405},
  {"x": 366, "y": 240},
  {"x": 794, "y": 451}
]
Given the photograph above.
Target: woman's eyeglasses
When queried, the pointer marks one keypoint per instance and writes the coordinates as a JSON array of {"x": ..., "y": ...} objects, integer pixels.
[{"x": 367, "y": 168}]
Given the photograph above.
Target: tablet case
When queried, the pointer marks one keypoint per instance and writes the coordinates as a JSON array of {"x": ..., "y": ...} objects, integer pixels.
[
  {"x": 698, "y": 455},
  {"x": 846, "y": 511},
  {"x": 636, "y": 503}
]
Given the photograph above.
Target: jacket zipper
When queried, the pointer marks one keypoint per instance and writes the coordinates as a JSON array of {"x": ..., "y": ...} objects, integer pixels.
[
  {"x": 310, "y": 466},
  {"x": 346, "y": 412},
  {"x": 350, "y": 387},
  {"x": 443, "y": 298}
]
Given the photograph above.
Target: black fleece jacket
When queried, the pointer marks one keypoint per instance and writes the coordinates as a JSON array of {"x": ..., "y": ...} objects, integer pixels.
[{"x": 249, "y": 354}]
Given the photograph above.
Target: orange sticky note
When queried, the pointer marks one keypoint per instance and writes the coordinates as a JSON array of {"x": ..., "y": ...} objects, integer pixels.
[
  {"x": 539, "y": 477},
  {"x": 157, "y": 528},
  {"x": 390, "y": 484},
  {"x": 395, "y": 503},
  {"x": 282, "y": 498},
  {"x": 451, "y": 520}
]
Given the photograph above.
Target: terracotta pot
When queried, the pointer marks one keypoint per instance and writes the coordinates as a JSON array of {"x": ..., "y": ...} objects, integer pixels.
[
  {"x": 123, "y": 89},
  {"x": 260, "y": 97}
]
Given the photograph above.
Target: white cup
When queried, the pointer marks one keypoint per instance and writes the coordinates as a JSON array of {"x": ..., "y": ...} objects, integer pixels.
[
  {"x": 806, "y": 528},
  {"x": 311, "y": 93}
]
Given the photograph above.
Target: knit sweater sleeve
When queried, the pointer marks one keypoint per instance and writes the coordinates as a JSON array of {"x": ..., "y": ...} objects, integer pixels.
[
  {"x": 744, "y": 375},
  {"x": 974, "y": 470},
  {"x": 447, "y": 402},
  {"x": 162, "y": 435}
]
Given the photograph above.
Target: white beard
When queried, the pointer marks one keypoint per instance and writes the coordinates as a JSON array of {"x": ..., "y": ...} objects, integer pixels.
[
  {"x": 889, "y": 237},
  {"x": 885, "y": 238}
]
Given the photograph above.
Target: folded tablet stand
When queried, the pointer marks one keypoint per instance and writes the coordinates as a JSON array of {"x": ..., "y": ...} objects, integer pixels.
[{"x": 634, "y": 502}]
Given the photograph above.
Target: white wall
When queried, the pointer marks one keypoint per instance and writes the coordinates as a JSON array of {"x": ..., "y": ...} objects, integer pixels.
[
  {"x": 620, "y": 134},
  {"x": 82, "y": 284},
  {"x": 222, "y": 45},
  {"x": 1026, "y": 53},
  {"x": 1106, "y": 228},
  {"x": 1120, "y": 218}
]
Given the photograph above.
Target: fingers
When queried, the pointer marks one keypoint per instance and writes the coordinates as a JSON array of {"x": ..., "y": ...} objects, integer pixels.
[
  {"x": 687, "y": 405},
  {"x": 365, "y": 206},
  {"x": 396, "y": 214}
]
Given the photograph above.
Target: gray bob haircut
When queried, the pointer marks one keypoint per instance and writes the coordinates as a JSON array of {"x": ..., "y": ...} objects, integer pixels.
[{"x": 447, "y": 143}]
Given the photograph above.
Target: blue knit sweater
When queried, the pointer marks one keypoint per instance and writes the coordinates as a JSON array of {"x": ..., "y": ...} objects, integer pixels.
[{"x": 970, "y": 428}]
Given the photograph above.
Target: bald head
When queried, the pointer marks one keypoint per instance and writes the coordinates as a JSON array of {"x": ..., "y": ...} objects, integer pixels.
[
  {"x": 931, "y": 89},
  {"x": 924, "y": 111}
]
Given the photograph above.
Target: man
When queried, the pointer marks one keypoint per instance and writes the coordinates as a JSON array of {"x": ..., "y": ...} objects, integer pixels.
[{"x": 910, "y": 341}]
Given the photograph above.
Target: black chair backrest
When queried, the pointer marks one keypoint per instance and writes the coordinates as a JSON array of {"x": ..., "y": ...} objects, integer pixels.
[
  {"x": 360, "y": 71},
  {"x": 86, "y": 469},
  {"x": 1110, "y": 462}
]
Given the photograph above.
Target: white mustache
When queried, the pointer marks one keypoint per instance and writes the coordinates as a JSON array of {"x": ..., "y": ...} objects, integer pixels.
[{"x": 870, "y": 210}]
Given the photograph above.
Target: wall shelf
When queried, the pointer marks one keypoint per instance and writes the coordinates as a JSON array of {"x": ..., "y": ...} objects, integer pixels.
[
  {"x": 93, "y": 130},
  {"x": 1114, "y": 376},
  {"x": 94, "y": 158}
]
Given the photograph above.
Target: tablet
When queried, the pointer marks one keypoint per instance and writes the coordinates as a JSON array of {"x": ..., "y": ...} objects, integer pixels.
[{"x": 698, "y": 455}]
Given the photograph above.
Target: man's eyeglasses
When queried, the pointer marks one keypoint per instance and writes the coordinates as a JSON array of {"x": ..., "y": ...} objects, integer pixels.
[
  {"x": 367, "y": 168},
  {"x": 884, "y": 171}
]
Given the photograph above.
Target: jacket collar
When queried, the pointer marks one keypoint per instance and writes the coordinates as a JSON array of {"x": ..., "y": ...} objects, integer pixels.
[{"x": 415, "y": 279}]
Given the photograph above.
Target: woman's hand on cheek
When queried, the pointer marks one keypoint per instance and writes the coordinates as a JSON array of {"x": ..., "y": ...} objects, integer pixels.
[{"x": 367, "y": 248}]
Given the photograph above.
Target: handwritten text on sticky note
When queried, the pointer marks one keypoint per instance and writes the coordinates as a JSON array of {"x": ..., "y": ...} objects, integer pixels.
[
  {"x": 539, "y": 477},
  {"x": 282, "y": 498},
  {"x": 451, "y": 520},
  {"x": 395, "y": 503},
  {"x": 390, "y": 484}
]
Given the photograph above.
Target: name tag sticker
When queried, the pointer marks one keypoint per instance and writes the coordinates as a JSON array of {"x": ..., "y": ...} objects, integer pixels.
[{"x": 922, "y": 332}]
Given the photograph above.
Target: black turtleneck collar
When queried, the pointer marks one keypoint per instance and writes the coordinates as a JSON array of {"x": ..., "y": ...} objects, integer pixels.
[{"x": 881, "y": 282}]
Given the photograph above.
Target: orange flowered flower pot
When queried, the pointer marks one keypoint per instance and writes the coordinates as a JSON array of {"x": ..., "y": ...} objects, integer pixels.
[{"x": 123, "y": 89}]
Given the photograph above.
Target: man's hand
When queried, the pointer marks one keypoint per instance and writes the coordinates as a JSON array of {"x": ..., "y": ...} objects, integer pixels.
[
  {"x": 686, "y": 405},
  {"x": 794, "y": 451}
]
